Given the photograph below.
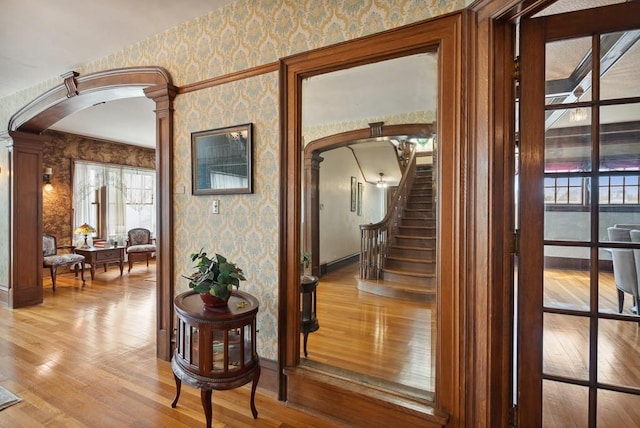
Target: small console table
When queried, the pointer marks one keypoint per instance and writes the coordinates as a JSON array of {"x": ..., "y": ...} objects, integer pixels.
[
  {"x": 101, "y": 255},
  {"x": 216, "y": 348}
]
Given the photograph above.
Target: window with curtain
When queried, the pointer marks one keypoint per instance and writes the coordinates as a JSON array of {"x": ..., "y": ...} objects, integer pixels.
[{"x": 113, "y": 199}]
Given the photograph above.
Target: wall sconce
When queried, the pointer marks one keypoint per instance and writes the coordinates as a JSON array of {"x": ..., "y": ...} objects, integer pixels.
[{"x": 46, "y": 177}]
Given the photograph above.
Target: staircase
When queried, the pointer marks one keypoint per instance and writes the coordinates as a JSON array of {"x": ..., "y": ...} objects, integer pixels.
[
  {"x": 409, "y": 268},
  {"x": 410, "y": 255}
]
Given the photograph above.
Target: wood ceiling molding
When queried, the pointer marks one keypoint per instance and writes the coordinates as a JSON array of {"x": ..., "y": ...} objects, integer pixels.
[{"x": 231, "y": 77}]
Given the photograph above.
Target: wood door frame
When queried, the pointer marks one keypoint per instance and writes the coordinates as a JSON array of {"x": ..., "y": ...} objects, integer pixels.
[
  {"x": 491, "y": 116},
  {"x": 76, "y": 93}
]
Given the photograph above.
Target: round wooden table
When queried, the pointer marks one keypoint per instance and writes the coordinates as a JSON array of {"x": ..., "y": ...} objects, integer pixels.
[{"x": 216, "y": 348}]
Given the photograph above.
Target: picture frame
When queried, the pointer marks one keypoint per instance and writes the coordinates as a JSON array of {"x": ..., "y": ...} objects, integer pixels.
[
  {"x": 354, "y": 193},
  {"x": 360, "y": 188},
  {"x": 222, "y": 160}
]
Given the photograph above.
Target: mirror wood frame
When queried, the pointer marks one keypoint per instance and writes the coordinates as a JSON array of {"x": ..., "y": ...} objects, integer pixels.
[{"x": 319, "y": 390}]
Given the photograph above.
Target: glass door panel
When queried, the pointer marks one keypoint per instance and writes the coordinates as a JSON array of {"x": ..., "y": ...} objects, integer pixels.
[
  {"x": 618, "y": 353},
  {"x": 566, "y": 346},
  {"x": 564, "y": 404},
  {"x": 566, "y": 277},
  {"x": 618, "y": 409},
  {"x": 618, "y": 67}
]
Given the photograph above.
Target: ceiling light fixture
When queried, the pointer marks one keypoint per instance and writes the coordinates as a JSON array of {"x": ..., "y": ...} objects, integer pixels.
[
  {"x": 578, "y": 114},
  {"x": 381, "y": 183}
]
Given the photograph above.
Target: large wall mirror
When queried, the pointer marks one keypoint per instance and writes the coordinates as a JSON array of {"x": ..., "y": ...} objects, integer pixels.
[
  {"x": 375, "y": 264},
  {"x": 380, "y": 115}
]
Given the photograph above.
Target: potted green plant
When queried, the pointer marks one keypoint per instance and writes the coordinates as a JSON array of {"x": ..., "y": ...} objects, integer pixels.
[
  {"x": 214, "y": 278},
  {"x": 305, "y": 260}
]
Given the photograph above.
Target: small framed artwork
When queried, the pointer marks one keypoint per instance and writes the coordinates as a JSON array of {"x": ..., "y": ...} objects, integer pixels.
[
  {"x": 354, "y": 193},
  {"x": 221, "y": 160},
  {"x": 359, "y": 198}
]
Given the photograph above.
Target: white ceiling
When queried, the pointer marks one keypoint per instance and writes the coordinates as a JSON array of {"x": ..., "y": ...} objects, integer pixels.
[{"x": 42, "y": 39}]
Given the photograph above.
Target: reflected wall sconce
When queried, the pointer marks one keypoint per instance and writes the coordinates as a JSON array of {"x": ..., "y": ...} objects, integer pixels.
[
  {"x": 46, "y": 177},
  {"x": 381, "y": 183}
]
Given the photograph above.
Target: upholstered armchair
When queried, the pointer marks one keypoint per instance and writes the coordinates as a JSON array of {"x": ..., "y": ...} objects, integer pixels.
[
  {"x": 624, "y": 267},
  {"x": 140, "y": 245},
  {"x": 52, "y": 260}
]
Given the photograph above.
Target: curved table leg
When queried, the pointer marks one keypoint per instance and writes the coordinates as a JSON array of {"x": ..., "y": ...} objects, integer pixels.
[
  {"x": 205, "y": 397},
  {"x": 178, "y": 387},
  {"x": 254, "y": 385},
  {"x": 306, "y": 336}
]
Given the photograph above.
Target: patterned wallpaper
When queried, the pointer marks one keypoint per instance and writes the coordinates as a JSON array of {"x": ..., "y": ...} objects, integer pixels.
[
  {"x": 244, "y": 34},
  {"x": 59, "y": 154},
  {"x": 246, "y": 229}
]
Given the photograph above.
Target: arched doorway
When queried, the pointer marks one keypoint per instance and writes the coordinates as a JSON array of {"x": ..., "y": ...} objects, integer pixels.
[
  {"x": 312, "y": 159},
  {"x": 25, "y": 128}
]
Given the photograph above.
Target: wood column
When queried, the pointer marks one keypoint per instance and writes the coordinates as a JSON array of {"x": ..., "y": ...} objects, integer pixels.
[
  {"x": 311, "y": 233},
  {"x": 163, "y": 95},
  {"x": 25, "y": 211}
]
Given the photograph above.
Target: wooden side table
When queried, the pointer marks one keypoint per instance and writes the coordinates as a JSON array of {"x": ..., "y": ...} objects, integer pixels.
[
  {"x": 308, "y": 302},
  {"x": 216, "y": 348},
  {"x": 100, "y": 255}
]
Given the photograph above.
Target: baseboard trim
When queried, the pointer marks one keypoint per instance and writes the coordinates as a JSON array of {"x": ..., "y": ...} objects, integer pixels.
[
  {"x": 357, "y": 404},
  {"x": 4, "y": 294},
  {"x": 338, "y": 264},
  {"x": 567, "y": 263}
]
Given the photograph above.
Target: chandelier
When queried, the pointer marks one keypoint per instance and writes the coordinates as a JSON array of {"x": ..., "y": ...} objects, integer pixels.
[{"x": 578, "y": 114}]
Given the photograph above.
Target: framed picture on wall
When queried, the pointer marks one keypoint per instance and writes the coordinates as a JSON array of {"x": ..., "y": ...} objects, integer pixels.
[
  {"x": 359, "y": 198},
  {"x": 354, "y": 193},
  {"x": 221, "y": 160}
]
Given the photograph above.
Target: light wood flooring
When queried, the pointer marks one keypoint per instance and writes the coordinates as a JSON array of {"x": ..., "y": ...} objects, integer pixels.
[
  {"x": 385, "y": 340},
  {"x": 86, "y": 357}
]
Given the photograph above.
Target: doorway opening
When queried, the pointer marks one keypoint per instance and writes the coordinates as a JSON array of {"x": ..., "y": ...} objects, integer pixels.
[{"x": 26, "y": 128}]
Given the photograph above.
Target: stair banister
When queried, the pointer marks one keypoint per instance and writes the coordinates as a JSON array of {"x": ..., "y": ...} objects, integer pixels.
[{"x": 374, "y": 237}]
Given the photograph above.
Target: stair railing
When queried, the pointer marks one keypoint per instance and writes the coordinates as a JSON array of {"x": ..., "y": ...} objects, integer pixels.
[{"x": 374, "y": 237}]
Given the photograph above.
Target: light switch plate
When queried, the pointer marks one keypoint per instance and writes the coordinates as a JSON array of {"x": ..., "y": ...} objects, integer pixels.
[{"x": 215, "y": 206}]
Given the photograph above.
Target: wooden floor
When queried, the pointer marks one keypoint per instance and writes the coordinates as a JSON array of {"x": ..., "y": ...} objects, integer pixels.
[
  {"x": 388, "y": 341},
  {"x": 86, "y": 357}
]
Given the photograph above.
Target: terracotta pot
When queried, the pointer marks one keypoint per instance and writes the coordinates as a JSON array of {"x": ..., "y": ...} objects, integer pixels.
[{"x": 211, "y": 302}]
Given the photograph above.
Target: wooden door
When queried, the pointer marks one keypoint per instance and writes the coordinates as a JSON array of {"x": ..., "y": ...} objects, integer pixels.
[{"x": 578, "y": 356}]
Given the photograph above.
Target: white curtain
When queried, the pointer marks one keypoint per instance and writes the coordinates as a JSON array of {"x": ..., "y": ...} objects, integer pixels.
[
  {"x": 86, "y": 185},
  {"x": 125, "y": 208},
  {"x": 227, "y": 181},
  {"x": 116, "y": 204}
]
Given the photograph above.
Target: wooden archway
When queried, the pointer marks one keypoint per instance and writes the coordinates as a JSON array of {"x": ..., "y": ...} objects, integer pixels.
[
  {"x": 312, "y": 159},
  {"x": 25, "y": 213}
]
